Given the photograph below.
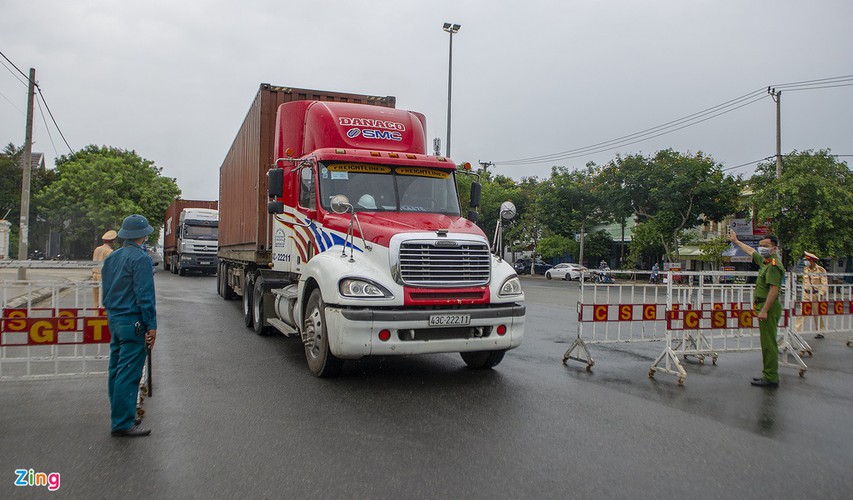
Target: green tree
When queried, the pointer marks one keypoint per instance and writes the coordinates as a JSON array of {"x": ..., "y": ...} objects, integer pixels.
[
  {"x": 810, "y": 206},
  {"x": 97, "y": 187},
  {"x": 573, "y": 201},
  {"x": 556, "y": 246},
  {"x": 672, "y": 192},
  {"x": 528, "y": 227},
  {"x": 712, "y": 251},
  {"x": 11, "y": 176},
  {"x": 599, "y": 246}
]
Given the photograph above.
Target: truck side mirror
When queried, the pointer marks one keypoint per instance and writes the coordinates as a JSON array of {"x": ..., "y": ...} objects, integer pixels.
[
  {"x": 476, "y": 193},
  {"x": 275, "y": 183},
  {"x": 473, "y": 216},
  {"x": 275, "y": 207},
  {"x": 508, "y": 210}
]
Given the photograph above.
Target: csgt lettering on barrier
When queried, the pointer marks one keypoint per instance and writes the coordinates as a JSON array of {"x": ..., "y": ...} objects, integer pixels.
[{"x": 53, "y": 326}]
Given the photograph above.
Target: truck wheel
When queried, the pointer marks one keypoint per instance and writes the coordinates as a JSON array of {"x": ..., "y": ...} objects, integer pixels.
[
  {"x": 482, "y": 359},
  {"x": 182, "y": 271},
  {"x": 225, "y": 290},
  {"x": 321, "y": 361},
  {"x": 258, "y": 308},
  {"x": 247, "y": 302}
]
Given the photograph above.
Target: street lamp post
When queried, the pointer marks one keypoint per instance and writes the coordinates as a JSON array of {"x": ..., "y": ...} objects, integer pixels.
[{"x": 450, "y": 28}]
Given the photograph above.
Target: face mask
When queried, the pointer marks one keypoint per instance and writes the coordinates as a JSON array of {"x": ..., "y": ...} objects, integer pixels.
[{"x": 764, "y": 251}]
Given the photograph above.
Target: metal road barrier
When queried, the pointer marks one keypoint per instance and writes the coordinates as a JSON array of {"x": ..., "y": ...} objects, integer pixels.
[
  {"x": 626, "y": 307},
  {"x": 702, "y": 314},
  {"x": 51, "y": 328},
  {"x": 823, "y": 309}
]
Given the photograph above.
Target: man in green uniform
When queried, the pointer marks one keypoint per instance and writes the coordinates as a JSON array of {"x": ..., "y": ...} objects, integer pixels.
[{"x": 767, "y": 304}]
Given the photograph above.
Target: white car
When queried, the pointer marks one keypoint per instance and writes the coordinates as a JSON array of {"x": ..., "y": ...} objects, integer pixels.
[{"x": 566, "y": 271}]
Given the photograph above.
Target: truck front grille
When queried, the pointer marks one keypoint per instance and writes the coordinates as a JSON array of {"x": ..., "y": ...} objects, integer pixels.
[{"x": 456, "y": 264}]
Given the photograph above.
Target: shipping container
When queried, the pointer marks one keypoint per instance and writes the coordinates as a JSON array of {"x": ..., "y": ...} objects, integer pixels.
[
  {"x": 173, "y": 214},
  {"x": 244, "y": 224}
]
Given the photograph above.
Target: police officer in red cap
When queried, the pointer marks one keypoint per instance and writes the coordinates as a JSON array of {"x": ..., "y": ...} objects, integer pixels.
[{"x": 128, "y": 286}]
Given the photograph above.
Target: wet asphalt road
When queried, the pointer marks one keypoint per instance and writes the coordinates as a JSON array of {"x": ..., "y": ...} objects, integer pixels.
[{"x": 234, "y": 414}]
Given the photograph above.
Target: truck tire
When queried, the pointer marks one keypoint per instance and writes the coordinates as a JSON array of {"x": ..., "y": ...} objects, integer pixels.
[
  {"x": 482, "y": 359},
  {"x": 173, "y": 267},
  {"x": 258, "y": 308},
  {"x": 321, "y": 361},
  {"x": 247, "y": 302},
  {"x": 225, "y": 290}
]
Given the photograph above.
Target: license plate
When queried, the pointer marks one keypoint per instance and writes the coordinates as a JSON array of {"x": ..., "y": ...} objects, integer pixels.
[
  {"x": 450, "y": 320},
  {"x": 203, "y": 263}
]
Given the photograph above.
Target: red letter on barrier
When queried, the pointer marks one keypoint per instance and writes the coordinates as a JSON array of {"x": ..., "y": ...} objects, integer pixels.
[
  {"x": 823, "y": 308},
  {"x": 718, "y": 319},
  {"x": 599, "y": 313},
  {"x": 691, "y": 320},
  {"x": 650, "y": 312},
  {"x": 95, "y": 331},
  {"x": 807, "y": 308},
  {"x": 839, "y": 307},
  {"x": 626, "y": 312},
  {"x": 718, "y": 306}
]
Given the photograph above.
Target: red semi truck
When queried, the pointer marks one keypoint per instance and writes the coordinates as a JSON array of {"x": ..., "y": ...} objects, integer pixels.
[{"x": 337, "y": 226}]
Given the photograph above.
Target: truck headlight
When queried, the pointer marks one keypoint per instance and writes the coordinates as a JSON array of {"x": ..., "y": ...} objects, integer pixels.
[
  {"x": 512, "y": 286},
  {"x": 185, "y": 258},
  {"x": 361, "y": 288}
]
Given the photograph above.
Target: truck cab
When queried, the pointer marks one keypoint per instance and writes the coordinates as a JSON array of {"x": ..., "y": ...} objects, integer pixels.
[
  {"x": 370, "y": 252},
  {"x": 196, "y": 241}
]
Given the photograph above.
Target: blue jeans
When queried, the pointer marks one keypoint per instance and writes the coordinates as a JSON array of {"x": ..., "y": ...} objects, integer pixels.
[{"x": 127, "y": 357}]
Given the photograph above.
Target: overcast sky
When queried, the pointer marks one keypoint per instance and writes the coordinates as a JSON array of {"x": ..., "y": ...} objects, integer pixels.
[{"x": 173, "y": 80}]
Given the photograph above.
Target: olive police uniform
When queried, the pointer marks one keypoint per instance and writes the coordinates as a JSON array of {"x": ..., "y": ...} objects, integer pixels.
[{"x": 770, "y": 273}]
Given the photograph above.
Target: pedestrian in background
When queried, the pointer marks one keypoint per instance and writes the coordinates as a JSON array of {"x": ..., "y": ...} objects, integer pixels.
[
  {"x": 815, "y": 288},
  {"x": 655, "y": 270},
  {"x": 767, "y": 304},
  {"x": 99, "y": 255},
  {"x": 132, "y": 317}
]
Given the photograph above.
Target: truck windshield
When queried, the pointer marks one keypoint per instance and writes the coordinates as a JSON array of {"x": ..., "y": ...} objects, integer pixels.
[
  {"x": 201, "y": 232},
  {"x": 387, "y": 188}
]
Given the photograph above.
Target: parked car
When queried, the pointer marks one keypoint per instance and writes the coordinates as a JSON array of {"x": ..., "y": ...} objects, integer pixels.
[
  {"x": 566, "y": 271},
  {"x": 522, "y": 266}
]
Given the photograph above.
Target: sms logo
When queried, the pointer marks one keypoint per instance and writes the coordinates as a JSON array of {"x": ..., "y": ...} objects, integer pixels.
[{"x": 353, "y": 133}]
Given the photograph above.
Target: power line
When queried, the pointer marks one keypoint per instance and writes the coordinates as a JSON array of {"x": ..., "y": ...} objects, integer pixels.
[
  {"x": 686, "y": 121},
  {"x": 807, "y": 82},
  {"x": 12, "y": 103},
  {"x": 41, "y": 96},
  {"x": 614, "y": 144},
  {"x": 17, "y": 68},
  {"x": 820, "y": 87},
  {"x": 54, "y": 120},
  {"x": 667, "y": 127},
  {"x": 13, "y": 74},
  {"x": 47, "y": 128}
]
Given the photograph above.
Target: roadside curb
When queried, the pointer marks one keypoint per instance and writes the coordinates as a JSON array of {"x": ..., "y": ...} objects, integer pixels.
[{"x": 37, "y": 296}]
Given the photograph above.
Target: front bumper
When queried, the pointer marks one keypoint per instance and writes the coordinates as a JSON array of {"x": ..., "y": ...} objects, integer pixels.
[
  {"x": 192, "y": 261},
  {"x": 353, "y": 333}
]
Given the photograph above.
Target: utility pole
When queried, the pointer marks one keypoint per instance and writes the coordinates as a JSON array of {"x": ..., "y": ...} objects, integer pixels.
[
  {"x": 27, "y": 160},
  {"x": 485, "y": 165},
  {"x": 777, "y": 98}
]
